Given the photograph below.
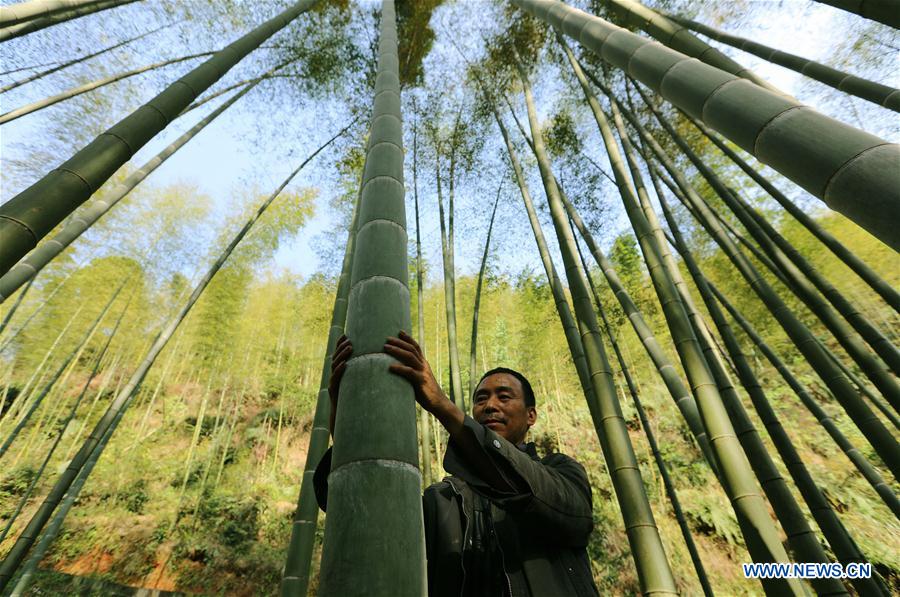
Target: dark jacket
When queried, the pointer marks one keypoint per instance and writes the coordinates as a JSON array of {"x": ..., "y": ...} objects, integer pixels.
[{"x": 484, "y": 542}]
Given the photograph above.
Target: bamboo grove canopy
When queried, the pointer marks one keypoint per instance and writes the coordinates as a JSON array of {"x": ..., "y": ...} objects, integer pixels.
[{"x": 133, "y": 330}]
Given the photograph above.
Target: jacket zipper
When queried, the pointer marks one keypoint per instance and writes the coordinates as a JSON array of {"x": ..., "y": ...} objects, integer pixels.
[
  {"x": 462, "y": 559},
  {"x": 502, "y": 555}
]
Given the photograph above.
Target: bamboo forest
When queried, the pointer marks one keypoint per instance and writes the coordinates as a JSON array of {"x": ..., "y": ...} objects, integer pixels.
[{"x": 679, "y": 220}]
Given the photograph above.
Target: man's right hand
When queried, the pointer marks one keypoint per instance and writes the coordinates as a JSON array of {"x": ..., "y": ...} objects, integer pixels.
[{"x": 342, "y": 351}]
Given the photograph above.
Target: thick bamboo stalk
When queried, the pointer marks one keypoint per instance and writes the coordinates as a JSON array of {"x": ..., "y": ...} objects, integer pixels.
[
  {"x": 30, "y": 215},
  {"x": 865, "y": 468},
  {"x": 853, "y": 172},
  {"x": 883, "y": 11},
  {"x": 837, "y": 536},
  {"x": 650, "y": 559},
  {"x": 675, "y": 35},
  {"x": 800, "y": 273},
  {"x": 78, "y": 60},
  {"x": 473, "y": 343},
  {"x": 882, "y": 95},
  {"x": 33, "y": 9},
  {"x": 758, "y": 529},
  {"x": 36, "y": 24},
  {"x": 648, "y": 431},
  {"x": 29, "y": 267},
  {"x": 295, "y": 576},
  {"x": 374, "y": 535},
  {"x": 96, "y": 84},
  {"x": 875, "y": 432},
  {"x": 859, "y": 267},
  {"x": 124, "y": 397}
]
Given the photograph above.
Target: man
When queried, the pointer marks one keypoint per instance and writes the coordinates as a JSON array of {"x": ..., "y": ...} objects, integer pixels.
[{"x": 506, "y": 523}]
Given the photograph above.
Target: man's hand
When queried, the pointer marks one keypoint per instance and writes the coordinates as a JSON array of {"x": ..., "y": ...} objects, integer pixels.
[
  {"x": 414, "y": 368},
  {"x": 342, "y": 351}
]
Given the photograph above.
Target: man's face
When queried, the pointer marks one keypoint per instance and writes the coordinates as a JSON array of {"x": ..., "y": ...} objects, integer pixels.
[{"x": 499, "y": 405}]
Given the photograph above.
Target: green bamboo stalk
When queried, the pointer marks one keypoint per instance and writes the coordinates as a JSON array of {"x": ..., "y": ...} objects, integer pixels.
[
  {"x": 852, "y": 171},
  {"x": 880, "y": 404},
  {"x": 651, "y": 439},
  {"x": 859, "y": 267},
  {"x": 34, "y": 212},
  {"x": 36, "y": 24},
  {"x": 882, "y": 95},
  {"x": 29, "y": 267},
  {"x": 759, "y": 531},
  {"x": 456, "y": 393},
  {"x": 865, "y": 468},
  {"x": 883, "y": 11},
  {"x": 800, "y": 272},
  {"x": 883, "y": 442},
  {"x": 674, "y": 34},
  {"x": 378, "y": 549},
  {"x": 124, "y": 398},
  {"x": 96, "y": 84},
  {"x": 473, "y": 344},
  {"x": 43, "y": 303},
  {"x": 63, "y": 65},
  {"x": 295, "y": 576},
  {"x": 802, "y": 540},
  {"x": 650, "y": 559},
  {"x": 33, "y": 9},
  {"x": 837, "y": 536},
  {"x": 424, "y": 418}
]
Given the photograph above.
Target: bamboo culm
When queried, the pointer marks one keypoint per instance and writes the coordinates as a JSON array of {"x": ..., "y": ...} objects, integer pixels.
[
  {"x": 882, "y": 95},
  {"x": 33, "y": 213},
  {"x": 737, "y": 478},
  {"x": 859, "y": 267},
  {"x": 800, "y": 272},
  {"x": 378, "y": 549},
  {"x": 473, "y": 343},
  {"x": 872, "y": 428},
  {"x": 852, "y": 171},
  {"x": 29, "y": 267},
  {"x": 36, "y": 24}
]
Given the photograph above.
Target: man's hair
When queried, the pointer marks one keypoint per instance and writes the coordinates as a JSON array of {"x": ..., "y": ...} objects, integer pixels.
[{"x": 526, "y": 386}]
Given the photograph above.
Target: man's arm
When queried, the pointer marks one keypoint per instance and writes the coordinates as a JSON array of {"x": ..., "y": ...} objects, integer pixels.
[{"x": 555, "y": 496}]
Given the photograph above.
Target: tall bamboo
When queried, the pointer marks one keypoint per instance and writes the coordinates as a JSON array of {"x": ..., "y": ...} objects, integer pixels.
[
  {"x": 43, "y": 303},
  {"x": 295, "y": 576},
  {"x": 649, "y": 555},
  {"x": 800, "y": 273},
  {"x": 15, "y": 307},
  {"x": 31, "y": 265},
  {"x": 859, "y": 267},
  {"x": 852, "y": 171},
  {"x": 802, "y": 540},
  {"x": 124, "y": 397},
  {"x": 875, "y": 432},
  {"x": 60, "y": 66},
  {"x": 675, "y": 35},
  {"x": 882, "y": 95},
  {"x": 86, "y": 87},
  {"x": 648, "y": 431},
  {"x": 374, "y": 535},
  {"x": 473, "y": 343},
  {"x": 883, "y": 11},
  {"x": 865, "y": 468},
  {"x": 837, "y": 536},
  {"x": 36, "y": 24},
  {"x": 33, "y": 9},
  {"x": 424, "y": 417},
  {"x": 737, "y": 479},
  {"x": 30, "y": 215}
]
